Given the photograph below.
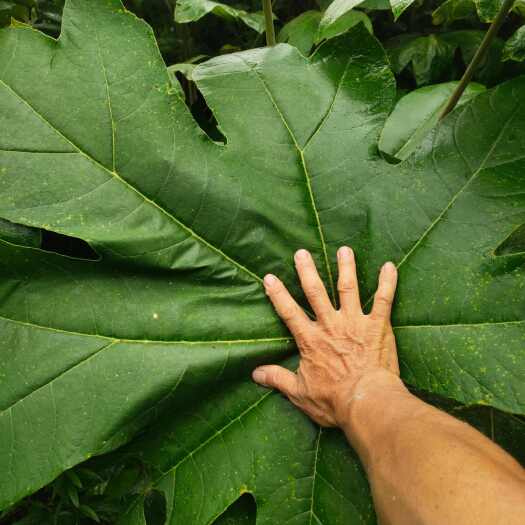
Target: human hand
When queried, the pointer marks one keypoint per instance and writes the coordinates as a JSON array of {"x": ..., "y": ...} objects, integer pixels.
[{"x": 344, "y": 352}]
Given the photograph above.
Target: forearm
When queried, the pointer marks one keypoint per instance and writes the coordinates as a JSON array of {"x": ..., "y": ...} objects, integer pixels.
[{"x": 426, "y": 467}]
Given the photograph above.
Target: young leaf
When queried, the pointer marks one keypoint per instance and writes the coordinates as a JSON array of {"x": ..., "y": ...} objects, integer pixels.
[
  {"x": 73, "y": 477},
  {"x": 488, "y": 9},
  {"x": 416, "y": 114},
  {"x": 186, "y": 69},
  {"x": 342, "y": 24},
  {"x": 98, "y": 147},
  {"x": 453, "y": 10},
  {"x": 193, "y": 10},
  {"x": 305, "y": 30},
  {"x": 72, "y": 493},
  {"x": 301, "y": 32},
  {"x": 339, "y": 8},
  {"x": 89, "y": 512},
  {"x": 514, "y": 48}
]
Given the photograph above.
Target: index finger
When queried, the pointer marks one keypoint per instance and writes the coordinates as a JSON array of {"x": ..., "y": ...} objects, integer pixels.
[{"x": 285, "y": 305}]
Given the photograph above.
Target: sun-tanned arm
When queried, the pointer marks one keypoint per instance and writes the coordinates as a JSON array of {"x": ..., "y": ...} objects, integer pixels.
[{"x": 425, "y": 467}]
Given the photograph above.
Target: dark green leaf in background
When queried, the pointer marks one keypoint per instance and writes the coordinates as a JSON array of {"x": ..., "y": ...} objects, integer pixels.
[
  {"x": 431, "y": 58},
  {"x": 193, "y": 10},
  {"x": 311, "y": 28},
  {"x": 486, "y": 10},
  {"x": 20, "y": 9},
  {"x": 302, "y": 31},
  {"x": 335, "y": 27},
  {"x": 515, "y": 46},
  {"x": 453, "y": 10},
  {"x": 339, "y": 8},
  {"x": 18, "y": 234},
  {"x": 427, "y": 56}
]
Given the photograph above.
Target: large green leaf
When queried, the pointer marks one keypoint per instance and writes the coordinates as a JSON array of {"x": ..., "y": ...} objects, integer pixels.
[
  {"x": 99, "y": 146},
  {"x": 321, "y": 483},
  {"x": 257, "y": 443}
]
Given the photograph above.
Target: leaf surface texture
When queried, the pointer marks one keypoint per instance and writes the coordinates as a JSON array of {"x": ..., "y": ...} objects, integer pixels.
[{"x": 100, "y": 147}]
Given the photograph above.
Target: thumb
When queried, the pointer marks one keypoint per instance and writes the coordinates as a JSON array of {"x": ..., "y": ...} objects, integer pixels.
[{"x": 274, "y": 376}]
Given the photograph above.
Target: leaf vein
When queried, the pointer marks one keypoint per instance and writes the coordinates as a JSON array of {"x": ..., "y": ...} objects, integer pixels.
[
  {"x": 306, "y": 174},
  {"x": 114, "y": 174}
]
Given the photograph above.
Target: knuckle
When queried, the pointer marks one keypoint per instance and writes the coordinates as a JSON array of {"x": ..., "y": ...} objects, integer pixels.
[
  {"x": 382, "y": 299},
  {"x": 301, "y": 334},
  {"x": 346, "y": 286},
  {"x": 331, "y": 329},
  {"x": 289, "y": 313},
  {"x": 314, "y": 290}
]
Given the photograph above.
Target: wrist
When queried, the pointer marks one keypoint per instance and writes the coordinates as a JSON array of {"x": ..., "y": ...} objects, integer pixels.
[{"x": 379, "y": 401}]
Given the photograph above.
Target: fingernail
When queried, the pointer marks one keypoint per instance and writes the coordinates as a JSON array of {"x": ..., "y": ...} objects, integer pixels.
[
  {"x": 388, "y": 267},
  {"x": 301, "y": 255},
  {"x": 269, "y": 280},
  {"x": 344, "y": 253},
  {"x": 259, "y": 376}
]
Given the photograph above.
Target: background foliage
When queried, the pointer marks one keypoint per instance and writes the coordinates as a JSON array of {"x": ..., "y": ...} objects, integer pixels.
[{"x": 428, "y": 42}]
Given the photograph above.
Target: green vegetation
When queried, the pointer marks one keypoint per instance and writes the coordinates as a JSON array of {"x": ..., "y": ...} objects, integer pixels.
[{"x": 140, "y": 206}]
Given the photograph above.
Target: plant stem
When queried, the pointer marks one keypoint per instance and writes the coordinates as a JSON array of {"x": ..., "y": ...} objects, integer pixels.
[
  {"x": 268, "y": 18},
  {"x": 478, "y": 56}
]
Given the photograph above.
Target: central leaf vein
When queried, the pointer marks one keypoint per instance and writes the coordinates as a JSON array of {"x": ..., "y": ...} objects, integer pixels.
[{"x": 300, "y": 152}]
